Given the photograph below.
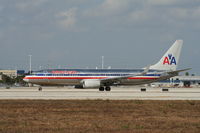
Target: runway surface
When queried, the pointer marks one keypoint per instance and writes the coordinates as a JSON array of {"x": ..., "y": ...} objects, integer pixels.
[{"x": 117, "y": 93}]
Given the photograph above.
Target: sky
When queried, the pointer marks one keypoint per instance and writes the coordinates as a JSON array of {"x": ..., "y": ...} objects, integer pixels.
[{"x": 77, "y": 33}]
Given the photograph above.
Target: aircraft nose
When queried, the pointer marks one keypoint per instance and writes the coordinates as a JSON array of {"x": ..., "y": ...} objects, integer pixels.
[{"x": 26, "y": 79}]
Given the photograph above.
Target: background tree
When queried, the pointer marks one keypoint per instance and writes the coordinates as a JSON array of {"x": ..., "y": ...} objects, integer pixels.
[
  {"x": 7, "y": 80},
  {"x": 187, "y": 74},
  {"x": 19, "y": 80}
]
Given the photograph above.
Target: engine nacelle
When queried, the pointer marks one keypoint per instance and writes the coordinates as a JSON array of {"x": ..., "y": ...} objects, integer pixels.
[{"x": 91, "y": 83}]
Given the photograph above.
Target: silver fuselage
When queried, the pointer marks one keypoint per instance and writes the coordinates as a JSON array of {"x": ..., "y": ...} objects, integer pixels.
[{"x": 75, "y": 76}]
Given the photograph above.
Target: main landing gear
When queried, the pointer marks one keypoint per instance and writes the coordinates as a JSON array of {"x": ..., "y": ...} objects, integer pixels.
[{"x": 107, "y": 88}]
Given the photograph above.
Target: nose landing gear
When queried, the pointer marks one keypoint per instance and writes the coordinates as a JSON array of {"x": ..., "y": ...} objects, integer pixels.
[{"x": 39, "y": 88}]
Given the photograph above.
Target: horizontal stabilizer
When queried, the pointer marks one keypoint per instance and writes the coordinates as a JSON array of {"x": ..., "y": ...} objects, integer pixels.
[{"x": 178, "y": 71}]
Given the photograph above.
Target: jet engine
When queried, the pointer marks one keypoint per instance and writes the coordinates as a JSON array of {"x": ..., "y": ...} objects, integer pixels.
[{"x": 91, "y": 83}]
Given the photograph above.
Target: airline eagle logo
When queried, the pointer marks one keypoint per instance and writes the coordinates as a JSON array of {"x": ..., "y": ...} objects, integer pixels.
[{"x": 169, "y": 60}]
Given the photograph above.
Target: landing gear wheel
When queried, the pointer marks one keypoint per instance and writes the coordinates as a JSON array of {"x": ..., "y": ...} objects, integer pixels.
[
  {"x": 107, "y": 88},
  {"x": 101, "y": 88},
  {"x": 40, "y": 88}
]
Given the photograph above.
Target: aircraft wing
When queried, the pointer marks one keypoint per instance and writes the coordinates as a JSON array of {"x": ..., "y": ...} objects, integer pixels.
[{"x": 119, "y": 78}]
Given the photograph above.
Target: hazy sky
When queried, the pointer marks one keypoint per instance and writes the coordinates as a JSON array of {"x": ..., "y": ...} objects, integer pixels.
[{"x": 76, "y": 33}]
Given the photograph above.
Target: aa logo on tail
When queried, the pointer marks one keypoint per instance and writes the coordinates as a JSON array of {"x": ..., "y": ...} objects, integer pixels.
[{"x": 169, "y": 60}]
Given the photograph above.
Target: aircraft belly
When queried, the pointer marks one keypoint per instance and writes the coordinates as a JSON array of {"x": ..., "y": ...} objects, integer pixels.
[
  {"x": 55, "y": 81},
  {"x": 65, "y": 81}
]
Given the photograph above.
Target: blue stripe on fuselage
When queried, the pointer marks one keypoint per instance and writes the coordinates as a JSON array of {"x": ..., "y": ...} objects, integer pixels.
[
  {"x": 106, "y": 74},
  {"x": 127, "y": 71}
]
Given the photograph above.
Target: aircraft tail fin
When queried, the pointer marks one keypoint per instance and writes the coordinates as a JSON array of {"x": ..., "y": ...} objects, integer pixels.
[{"x": 171, "y": 58}]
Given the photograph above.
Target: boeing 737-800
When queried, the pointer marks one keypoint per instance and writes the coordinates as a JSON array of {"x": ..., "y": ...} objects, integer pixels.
[{"x": 104, "y": 78}]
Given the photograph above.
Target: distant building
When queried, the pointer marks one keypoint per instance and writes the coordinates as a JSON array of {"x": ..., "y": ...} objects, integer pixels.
[
  {"x": 186, "y": 81},
  {"x": 12, "y": 73}
]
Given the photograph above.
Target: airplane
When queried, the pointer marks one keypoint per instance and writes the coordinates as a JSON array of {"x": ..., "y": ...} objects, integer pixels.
[{"x": 105, "y": 78}]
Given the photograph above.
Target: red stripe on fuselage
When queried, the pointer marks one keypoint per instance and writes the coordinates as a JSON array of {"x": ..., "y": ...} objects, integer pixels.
[{"x": 86, "y": 77}]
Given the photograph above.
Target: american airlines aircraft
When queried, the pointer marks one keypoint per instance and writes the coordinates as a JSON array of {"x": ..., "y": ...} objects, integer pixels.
[{"x": 104, "y": 78}]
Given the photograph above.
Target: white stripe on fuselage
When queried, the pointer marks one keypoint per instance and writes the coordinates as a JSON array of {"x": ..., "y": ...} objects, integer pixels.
[{"x": 76, "y": 76}]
